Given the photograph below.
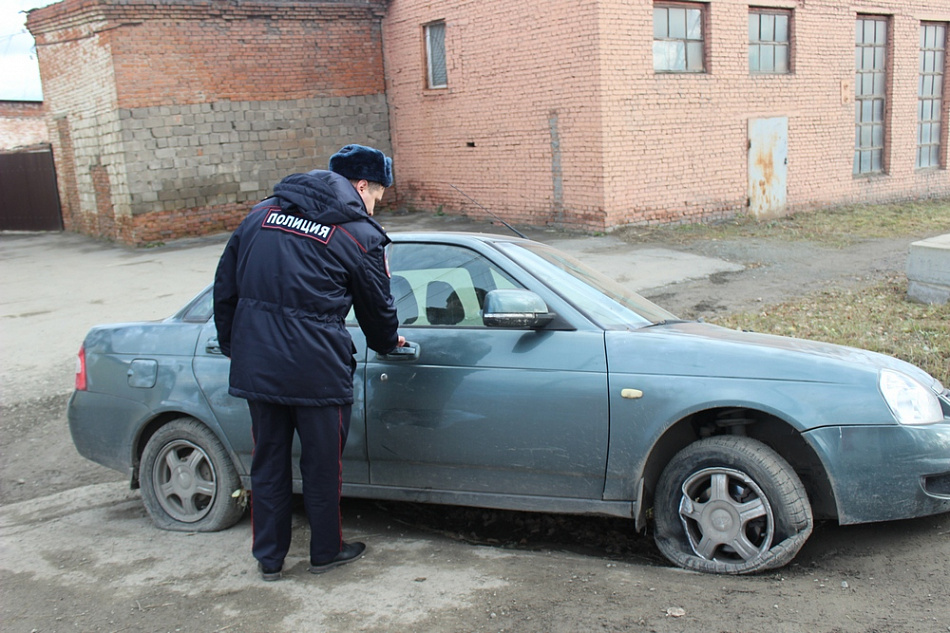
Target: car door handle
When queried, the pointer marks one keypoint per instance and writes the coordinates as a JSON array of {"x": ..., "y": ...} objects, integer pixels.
[
  {"x": 212, "y": 346},
  {"x": 410, "y": 351}
]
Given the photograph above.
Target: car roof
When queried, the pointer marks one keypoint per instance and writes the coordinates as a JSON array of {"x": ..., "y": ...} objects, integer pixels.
[{"x": 457, "y": 237}]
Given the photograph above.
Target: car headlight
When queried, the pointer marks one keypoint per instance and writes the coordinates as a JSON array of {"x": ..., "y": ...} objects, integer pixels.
[{"x": 909, "y": 401}]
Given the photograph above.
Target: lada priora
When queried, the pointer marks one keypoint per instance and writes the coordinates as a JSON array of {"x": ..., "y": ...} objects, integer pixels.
[{"x": 534, "y": 383}]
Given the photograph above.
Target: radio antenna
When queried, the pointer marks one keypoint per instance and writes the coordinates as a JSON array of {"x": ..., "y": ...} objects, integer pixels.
[{"x": 513, "y": 229}]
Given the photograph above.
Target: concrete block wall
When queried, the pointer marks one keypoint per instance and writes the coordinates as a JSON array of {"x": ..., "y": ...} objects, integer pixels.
[
  {"x": 196, "y": 168},
  {"x": 635, "y": 146},
  {"x": 22, "y": 124},
  {"x": 170, "y": 118}
]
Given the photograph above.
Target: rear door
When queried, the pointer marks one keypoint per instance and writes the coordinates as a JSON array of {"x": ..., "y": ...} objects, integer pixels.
[{"x": 212, "y": 372}]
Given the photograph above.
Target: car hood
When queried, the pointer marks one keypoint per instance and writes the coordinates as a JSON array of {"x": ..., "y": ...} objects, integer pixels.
[{"x": 693, "y": 348}]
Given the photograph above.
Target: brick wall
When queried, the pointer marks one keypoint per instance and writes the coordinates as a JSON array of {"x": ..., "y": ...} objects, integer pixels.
[
  {"x": 554, "y": 114},
  {"x": 22, "y": 124},
  {"x": 519, "y": 127},
  {"x": 169, "y": 118}
]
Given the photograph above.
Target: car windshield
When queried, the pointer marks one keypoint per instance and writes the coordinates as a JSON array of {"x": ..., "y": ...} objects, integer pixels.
[{"x": 603, "y": 300}]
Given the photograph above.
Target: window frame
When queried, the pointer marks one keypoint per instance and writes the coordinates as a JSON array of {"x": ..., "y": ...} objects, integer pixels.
[
  {"x": 789, "y": 15},
  {"x": 431, "y": 79},
  {"x": 934, "y": 100},
  {"x": 871, "y": 90},
  {"x": 703, "y": 9}
]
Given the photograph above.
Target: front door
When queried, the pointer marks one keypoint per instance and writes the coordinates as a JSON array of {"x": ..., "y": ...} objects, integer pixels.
[{"x": 482, "y": 409}]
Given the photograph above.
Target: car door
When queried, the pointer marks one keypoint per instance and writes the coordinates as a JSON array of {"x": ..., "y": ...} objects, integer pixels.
[
  {"x": 482, "y": 409},
  {"x": 212, "y": 372}
]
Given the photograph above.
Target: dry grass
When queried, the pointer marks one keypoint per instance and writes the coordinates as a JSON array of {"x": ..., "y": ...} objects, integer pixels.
[
  {"x": 834, "y": 227},
  {"x": 879, "y": 318}
]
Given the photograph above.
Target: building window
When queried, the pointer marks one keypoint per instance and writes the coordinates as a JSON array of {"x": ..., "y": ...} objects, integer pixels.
[
  {"x": 870, "y": 83},
  {"x": 678, "y": 43},
  {"x": 769, "y": 41},
  {"x": 933, "y": 47},
  {"x": 436, "y": 76}
]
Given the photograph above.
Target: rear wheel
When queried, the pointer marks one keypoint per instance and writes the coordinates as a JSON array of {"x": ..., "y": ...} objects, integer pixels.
[
  {"x": 187, "y": 479},
  {"x": 730, "y": 504}
]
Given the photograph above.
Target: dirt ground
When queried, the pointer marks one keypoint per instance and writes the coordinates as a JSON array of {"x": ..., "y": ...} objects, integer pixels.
[{"x": 78, "y": 553}]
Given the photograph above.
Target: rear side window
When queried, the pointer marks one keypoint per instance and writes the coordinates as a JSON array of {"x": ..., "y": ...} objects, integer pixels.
[{"x": 200, "y": 309}]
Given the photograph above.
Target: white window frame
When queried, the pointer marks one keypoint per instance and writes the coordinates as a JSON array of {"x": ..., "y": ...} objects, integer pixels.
[{"x": 437, "y": 75}]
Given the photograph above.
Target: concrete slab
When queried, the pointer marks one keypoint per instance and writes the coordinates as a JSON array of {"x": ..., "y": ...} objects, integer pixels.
[
  {"x": 641, "y": 268},
  {"x": 928, "y": 270}
]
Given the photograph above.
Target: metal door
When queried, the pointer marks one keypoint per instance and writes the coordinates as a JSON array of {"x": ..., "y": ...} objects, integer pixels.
[
  {"x": 30, "y": 201},
  {"x": 768, "y": 167}
]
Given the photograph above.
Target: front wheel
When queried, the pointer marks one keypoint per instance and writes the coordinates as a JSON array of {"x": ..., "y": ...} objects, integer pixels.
[
  {"x": 730, "y": 504},
  {"x": 187, "y": 479}
]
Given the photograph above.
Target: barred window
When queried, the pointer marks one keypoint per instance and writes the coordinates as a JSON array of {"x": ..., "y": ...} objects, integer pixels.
[
  {"x": 769, "y": 49},
  {"x": 933, "y": 48},
  {"x": 870, "y": 87},
  {"x": 437, "y": 77},
  {"x": 678, "y": 39}
]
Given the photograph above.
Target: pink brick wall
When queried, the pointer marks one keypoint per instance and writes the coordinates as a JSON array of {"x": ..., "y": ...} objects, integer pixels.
[
  {"x": 636, "y": 146},
  {"x": 523, "y": 84}
]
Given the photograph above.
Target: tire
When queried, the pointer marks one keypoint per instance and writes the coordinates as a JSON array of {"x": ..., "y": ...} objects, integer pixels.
[
  {"x": 730, "y": 505},
  {"x": 187, "y": 479}
]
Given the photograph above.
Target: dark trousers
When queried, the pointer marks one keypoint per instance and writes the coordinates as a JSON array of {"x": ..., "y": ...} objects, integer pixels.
[{"x": 322, "y": 432}]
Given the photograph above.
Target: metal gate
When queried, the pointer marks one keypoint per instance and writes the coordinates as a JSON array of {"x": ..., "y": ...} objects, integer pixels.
[
  {"x": 29, "y": 200},
  {"x": 768, "y": 167}
]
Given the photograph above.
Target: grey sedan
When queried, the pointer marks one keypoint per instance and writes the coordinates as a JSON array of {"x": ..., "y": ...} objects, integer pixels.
[{"x": 534, "y": 383}]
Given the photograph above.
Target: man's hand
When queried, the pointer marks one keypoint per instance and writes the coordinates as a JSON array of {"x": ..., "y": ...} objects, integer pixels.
[{"x": 402, "y": 342}]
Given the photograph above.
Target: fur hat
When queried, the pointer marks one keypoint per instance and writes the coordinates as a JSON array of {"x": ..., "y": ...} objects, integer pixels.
[{"x": 358, "y": 162}]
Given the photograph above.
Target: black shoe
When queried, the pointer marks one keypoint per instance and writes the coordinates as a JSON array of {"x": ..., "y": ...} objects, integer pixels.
[
  {"x": 268, "y": 574},
  {"x": 350, "y": 552}
]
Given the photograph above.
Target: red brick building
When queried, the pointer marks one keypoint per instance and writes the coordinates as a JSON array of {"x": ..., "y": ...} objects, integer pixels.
[{"x": 169, "y": 116}]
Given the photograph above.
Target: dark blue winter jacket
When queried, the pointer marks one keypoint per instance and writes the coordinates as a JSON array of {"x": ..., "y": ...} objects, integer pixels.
[{"x": 285, "y": 283}]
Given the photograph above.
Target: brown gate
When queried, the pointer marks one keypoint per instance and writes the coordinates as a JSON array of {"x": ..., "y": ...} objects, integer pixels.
[{"x": 29, "y": 200}]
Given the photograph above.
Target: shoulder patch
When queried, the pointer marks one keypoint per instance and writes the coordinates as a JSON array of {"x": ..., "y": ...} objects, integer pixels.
[{"x": 298, "y": 226}]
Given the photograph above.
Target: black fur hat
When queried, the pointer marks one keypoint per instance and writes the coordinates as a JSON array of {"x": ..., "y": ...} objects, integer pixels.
[{"x": 358, "y": 162}]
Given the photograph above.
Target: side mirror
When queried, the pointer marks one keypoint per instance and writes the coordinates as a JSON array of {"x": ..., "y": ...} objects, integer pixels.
[{"x": 515, "y": 308}]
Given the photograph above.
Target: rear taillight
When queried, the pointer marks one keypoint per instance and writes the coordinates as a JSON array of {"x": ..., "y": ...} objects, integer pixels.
[{"x": 81, "y": 370}]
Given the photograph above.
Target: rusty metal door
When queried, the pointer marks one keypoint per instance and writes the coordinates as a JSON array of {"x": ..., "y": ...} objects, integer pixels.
[
  {"x": 29, "y": 200},
  {"x": 768, "y": 167}
]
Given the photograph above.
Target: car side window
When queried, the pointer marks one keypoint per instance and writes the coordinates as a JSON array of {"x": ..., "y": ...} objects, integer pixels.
[
  {"x": 200, "y": 309},
  {"x": 442, "y": 285}
]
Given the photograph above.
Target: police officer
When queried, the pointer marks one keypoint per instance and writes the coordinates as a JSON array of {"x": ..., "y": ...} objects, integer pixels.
[{"x": 282, "y": 290}]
